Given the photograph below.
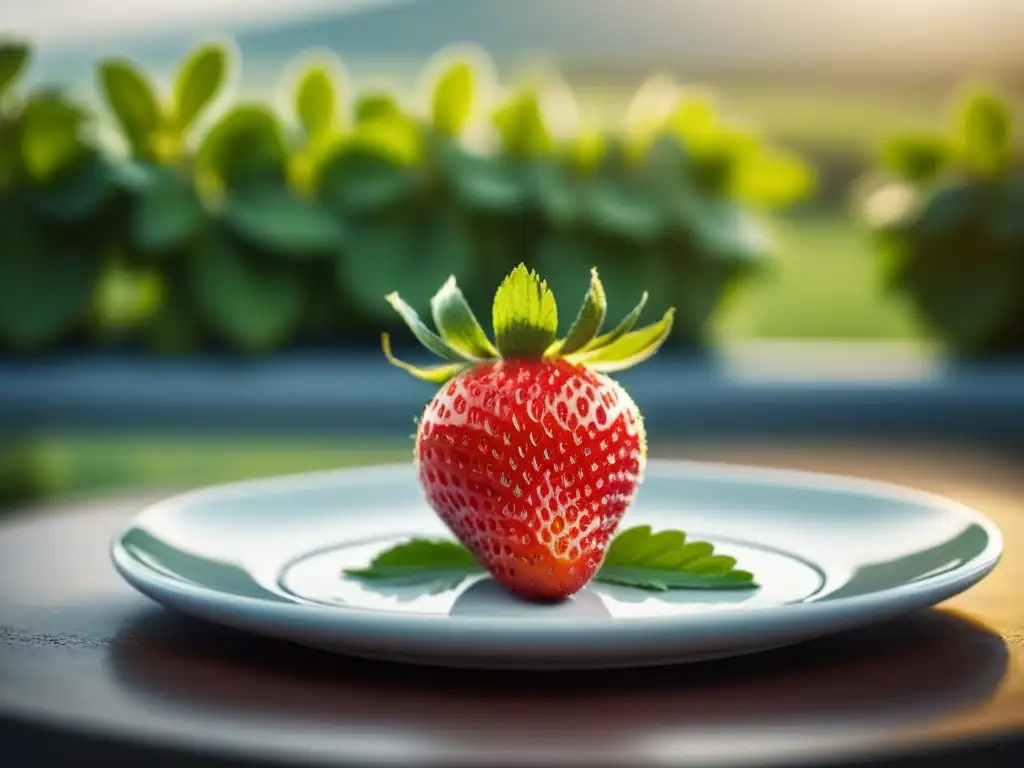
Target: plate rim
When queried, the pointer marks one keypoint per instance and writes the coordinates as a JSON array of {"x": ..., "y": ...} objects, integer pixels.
[{"x": 435, "y": 629}]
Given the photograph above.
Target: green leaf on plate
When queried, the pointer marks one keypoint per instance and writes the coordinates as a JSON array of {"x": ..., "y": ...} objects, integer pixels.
[
  {"x": 637, "y": 557},
  {"x": 440, "y": 565}
]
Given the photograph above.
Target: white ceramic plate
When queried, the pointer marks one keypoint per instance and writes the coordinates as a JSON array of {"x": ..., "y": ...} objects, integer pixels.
[{"x": 829, "y": 553}]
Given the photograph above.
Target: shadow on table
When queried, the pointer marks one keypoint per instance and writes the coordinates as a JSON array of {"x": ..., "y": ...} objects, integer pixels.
[{"x": 906, "y": 671}]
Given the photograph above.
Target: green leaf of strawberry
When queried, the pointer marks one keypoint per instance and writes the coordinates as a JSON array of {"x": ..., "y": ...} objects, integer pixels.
[
  {"x": 588, "y": 322},
  {"x": 525, "y": 315},
  {"x": 625, "y": 326},
  {"x": 457, "y": 323},
  {"x": 636, "y": 558},
  {"x": 437, "y": 374},
  {"x": 423, "y": 334},
  {"x": 629, "y": 349}
]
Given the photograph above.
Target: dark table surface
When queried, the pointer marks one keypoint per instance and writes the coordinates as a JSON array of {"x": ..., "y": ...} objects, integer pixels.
[{"x": 91, "y": 670}]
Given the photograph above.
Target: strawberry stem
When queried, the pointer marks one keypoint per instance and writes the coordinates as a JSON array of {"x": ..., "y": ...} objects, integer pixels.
[{"x": 525, "y": 317}]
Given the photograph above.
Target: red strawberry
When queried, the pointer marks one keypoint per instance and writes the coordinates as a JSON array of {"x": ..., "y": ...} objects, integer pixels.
[{"x": 529, "y": 453}]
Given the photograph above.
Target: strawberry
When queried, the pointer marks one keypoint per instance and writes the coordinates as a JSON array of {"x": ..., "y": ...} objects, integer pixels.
[{"x": 529, "y": 453}]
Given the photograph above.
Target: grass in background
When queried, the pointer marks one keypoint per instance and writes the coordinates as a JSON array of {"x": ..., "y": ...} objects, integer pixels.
[
  {"x": 825, "y": 283},
  {"x": 61, "y": 466}
]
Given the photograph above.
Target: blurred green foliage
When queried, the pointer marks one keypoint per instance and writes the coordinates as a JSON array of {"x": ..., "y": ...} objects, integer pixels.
[
  {"x": 56, "y": 466},
  {"x": 947, "y": 212},
  {"x": 57, "y": 211},
  {"x": 234, "y": 226}
]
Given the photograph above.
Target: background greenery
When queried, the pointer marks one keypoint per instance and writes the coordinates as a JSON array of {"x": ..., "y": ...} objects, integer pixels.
[
  {"x": 258, "y": 230},
  {"x": 948, "y": 214},
  {"x": 243, "y": 226},
  {"x": 109, "y": 210}
]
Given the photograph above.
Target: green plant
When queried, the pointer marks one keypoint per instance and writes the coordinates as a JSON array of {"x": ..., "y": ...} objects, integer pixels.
[
  {"x": 948, "y": 217},
  {"x": 671, "y": 204},
  {"x": 156, "y": 131},
  {"x": 55, "y": 194},
  {"x": 228, "y": 217},
  {"x": 252, "y": 230}
]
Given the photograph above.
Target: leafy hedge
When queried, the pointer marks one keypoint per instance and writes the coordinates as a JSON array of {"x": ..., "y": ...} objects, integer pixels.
[
  {"x": 255, "y": 230},
  {"x": 948, "y": 215}
]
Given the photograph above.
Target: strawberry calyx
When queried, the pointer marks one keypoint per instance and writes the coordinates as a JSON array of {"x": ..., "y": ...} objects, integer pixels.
[{"x": 525, "y": 319}]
